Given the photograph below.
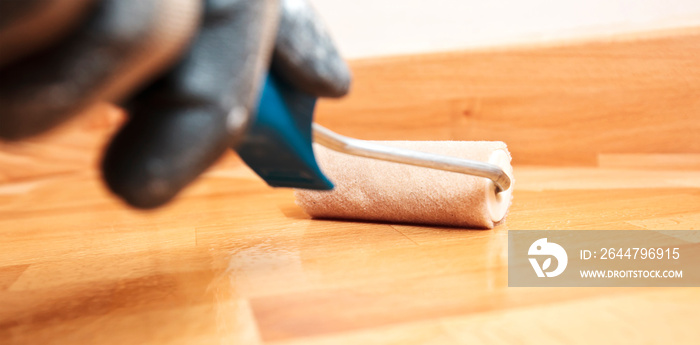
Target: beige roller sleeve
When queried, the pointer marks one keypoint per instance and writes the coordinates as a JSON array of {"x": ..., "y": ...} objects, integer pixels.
[{"x": 374, "y": 190}]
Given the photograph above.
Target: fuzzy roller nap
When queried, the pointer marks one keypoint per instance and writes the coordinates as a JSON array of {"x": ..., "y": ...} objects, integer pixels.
[{"x": 376, "y": 190}]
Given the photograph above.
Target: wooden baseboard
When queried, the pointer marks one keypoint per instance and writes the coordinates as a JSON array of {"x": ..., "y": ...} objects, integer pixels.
[
  {"x": 566, "y": 104},
  {"x": 555, "y": 105}
]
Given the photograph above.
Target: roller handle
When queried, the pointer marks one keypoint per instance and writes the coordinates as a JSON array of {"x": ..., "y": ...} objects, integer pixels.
[{"x": 278, "y": 144}]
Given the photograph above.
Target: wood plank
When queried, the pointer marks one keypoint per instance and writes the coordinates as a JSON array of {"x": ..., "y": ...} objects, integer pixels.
[
  {"x": 666, "y": 161},
  {"x": 614, "y": 319},
  {"x": 555, "y": 105},
  {"x": 234, "y": 260}
]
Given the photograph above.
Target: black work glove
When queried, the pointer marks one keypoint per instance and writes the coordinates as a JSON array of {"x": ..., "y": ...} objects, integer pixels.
[{"x": 189, "y": 72}]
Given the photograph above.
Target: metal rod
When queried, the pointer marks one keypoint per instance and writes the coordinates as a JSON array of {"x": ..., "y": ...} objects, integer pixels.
[{"x": 363, "y": 148}]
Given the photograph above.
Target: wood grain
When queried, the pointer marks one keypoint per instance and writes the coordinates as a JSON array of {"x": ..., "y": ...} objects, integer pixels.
[
  {"x": 604, "y": 136},
  {"x": 235, "y": 261},
  {"x": 555, "y": 105}
]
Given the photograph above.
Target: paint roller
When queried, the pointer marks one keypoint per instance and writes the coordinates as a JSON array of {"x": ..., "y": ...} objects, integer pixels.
[{"x": 452, "y": 183}]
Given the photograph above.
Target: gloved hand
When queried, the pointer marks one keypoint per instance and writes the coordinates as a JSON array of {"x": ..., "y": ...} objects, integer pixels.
[{"x": 188, "y": 72}]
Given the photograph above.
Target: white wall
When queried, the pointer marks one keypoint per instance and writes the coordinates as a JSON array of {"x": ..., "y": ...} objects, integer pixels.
[{"x": 388, "y": 27}]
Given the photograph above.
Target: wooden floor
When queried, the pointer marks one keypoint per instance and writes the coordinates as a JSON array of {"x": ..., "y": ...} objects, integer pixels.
[
  {"x": 609, "y": 130},
  {"x": 233, "y": 261}
]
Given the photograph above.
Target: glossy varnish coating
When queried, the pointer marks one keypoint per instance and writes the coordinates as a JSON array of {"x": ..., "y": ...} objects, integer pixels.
[{"x": 233, "y": 261}]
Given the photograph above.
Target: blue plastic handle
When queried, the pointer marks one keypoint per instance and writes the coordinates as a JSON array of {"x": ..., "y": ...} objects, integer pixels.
[{"x": 277, "y": 146}]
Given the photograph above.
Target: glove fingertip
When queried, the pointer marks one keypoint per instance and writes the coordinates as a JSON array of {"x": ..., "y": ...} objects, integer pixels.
[
  {"x": 133, "y": 183},
  {"x": 305, "y": 54}
]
